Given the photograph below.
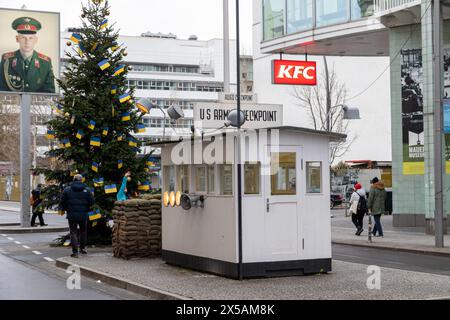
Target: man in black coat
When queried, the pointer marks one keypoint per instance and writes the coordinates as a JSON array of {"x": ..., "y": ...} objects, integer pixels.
[{"x": 77, "y": 201}]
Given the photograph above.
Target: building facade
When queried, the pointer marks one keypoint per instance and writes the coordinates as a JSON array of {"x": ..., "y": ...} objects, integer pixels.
[{"x": 399, "y": 30}]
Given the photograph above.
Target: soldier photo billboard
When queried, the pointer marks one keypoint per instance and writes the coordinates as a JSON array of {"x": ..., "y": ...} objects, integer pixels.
[{"x": 29, "y": 51}]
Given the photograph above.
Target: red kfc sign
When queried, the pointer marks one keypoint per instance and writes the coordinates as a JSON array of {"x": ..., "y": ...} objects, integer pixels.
[{"x": 294, "y": 72}]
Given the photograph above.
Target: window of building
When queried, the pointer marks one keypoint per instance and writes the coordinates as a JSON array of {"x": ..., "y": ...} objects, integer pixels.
[
  {"x": 183, "y": 180},
  {"x": 226, "y": 176},
  {"x": 200, "y": 179},
  {"x": 284, "y": 173},
  {"x": 273, "y": 18},
  {"x": 211, "y": 179},
  {"x": 314, "y": 177},
  {"x": 362, "y": 8},
  {"x": 169, "y": 178},
  {"x": 299, "y": 15},
  {"x": 331, "y": 12},
  {"x": 252, "y": 177}
]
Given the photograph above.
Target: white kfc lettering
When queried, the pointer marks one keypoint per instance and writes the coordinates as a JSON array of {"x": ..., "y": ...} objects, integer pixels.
[
  {"x": 285, "y": 72},
  {"x": 306, "y": 74}
]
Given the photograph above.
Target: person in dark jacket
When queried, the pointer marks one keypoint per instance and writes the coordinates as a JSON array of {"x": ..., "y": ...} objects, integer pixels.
[
  {"x": 376, "y": 204},
  {"x": 77, "y": 201},
  {"x": 37, "y": 206}
]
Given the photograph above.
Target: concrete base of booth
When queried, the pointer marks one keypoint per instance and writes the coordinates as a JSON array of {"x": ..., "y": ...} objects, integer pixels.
[{"x": 250, "y": 270}]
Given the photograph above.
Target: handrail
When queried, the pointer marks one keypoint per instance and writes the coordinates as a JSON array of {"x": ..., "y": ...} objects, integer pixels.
[{"x": 390, "y": 5}]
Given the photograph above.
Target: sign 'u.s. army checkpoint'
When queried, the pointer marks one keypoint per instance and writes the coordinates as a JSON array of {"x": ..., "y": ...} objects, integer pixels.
[{"x": 214, "y": 114}]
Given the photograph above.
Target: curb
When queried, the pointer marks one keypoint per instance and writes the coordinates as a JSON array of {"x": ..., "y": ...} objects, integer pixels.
[
  {"x": 34, "y": 230},
  {"x": 399, "y": 249},
  {"x": 2, "y": 225},
  {"x": 122, "y": 283}
]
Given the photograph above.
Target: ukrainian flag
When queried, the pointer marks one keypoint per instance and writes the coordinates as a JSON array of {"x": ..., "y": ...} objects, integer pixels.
[
  {"x": 120, "y": 69},
  {"x": 111, "y": 189},
  {"x": 92, "y": 125},
  {"x": 113, "y": 89},
  {"x": 144, "y": 187},
  {"x": 95, "y": 141},
  {"x": 150, "y": 164},
  {"x": 120, "y": 164},
  {"x": 115, "y": 46},
  {"x": 50, "y": 134},
  {"x": 59, "y": 109},
  {"x": 67, "y": 143},
  {"x": 104, "y": 64},
  {"x": 142, "y": 108},
  {"x": 80, "y": 134},
  {"x": 140, "y": 128},
  {"x": 132, "y": 143},
  {"x": 104, "y": 24},
  {"x": 81, "y": 49},
  {"x": 124, "y": 98},
  {"x": 126, "y": 116},
  {"x": 75, "y": 37},
  {"x": 99, "y": 182},
  {"x": 105, "y": 131},
  {"x": 95, "y": 215},
  {"x": 95, "y": 166}
]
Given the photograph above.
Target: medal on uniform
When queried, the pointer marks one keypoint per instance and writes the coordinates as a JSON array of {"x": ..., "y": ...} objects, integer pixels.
[
  {"x": 14, "y": 63},
  {"x": 37, "y": 64}
]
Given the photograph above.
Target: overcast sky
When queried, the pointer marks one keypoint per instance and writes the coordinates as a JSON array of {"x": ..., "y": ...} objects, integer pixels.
[{"x": 181, "y": 17}]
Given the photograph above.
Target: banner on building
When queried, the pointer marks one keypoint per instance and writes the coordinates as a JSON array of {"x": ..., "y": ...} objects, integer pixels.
[
  {"x": 447, "y": 133},
  {"x": 412, "y": 112}
]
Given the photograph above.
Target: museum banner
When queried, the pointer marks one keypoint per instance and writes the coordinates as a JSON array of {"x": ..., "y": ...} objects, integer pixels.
[
  {"x": 29, "y": 51},
  {"x": 447, "y": 134}
]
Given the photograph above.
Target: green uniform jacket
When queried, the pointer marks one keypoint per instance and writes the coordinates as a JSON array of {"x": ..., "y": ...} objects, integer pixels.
[
  {"x": 377, "y": 199},
  {"x": 16, "y": 76}
]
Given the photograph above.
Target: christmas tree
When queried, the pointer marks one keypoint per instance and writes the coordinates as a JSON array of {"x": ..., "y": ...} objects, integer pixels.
[{"x": 96, "y": 115}]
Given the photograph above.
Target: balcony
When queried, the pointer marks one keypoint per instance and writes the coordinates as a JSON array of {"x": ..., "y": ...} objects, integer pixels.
[{"x": 384, "y": 7}]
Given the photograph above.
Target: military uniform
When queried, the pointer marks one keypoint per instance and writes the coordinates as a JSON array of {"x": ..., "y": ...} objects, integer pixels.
[{"x": 34, "y": 74}]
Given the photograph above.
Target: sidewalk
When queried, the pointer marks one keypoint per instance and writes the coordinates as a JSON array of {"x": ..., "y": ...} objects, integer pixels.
[
  {"x": 400, "y": 239},
  {"x": 152, "y": 277}
]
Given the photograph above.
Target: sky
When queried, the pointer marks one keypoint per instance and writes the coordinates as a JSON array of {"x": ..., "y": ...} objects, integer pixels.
[{"x": 133, "y": 17}]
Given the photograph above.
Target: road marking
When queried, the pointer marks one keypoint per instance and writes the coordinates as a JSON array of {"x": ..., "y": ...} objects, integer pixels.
[
  {"x": 17, "y": 242},
  {"x": 49, "y": 259},
  {"x": 37, "y": 253},
  {"x": 26, "y": 247},
  {"x": 11, "y": 239},
  {"x": 3, "y": 235}
]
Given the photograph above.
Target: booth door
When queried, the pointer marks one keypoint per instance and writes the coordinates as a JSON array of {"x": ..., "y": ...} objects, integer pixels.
[{"x": 282, "y": 200}]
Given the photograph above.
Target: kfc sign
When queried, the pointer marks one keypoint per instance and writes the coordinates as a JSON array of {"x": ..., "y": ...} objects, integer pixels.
[{"x": 294, "y": 72}]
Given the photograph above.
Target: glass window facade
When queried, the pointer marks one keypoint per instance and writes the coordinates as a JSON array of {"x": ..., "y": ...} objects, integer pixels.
[
  {"x": 299, "y": 15},
  {"x": 361, "y": 8},
  {"x": 330, "y": 12},
  {"x": 273, "y": 18}
]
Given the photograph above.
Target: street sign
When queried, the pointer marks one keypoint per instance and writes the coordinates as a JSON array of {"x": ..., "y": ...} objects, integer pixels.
[
  {"x": 294, "y": 72},
  {"x": 232, "y": 97},
  {"x": 214, "y": 114}
]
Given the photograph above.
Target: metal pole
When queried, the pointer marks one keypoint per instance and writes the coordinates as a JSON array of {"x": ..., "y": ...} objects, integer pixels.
[
  {"x": 33, "y": 185},
  {"x": 327, "y": 88},
  {"x": 25, "y": 122},
  {"x": 239, "y": 165},
  {"x": 226, "y": 47},
  {"x": 438, "y": 126},
  {"x": 164, "y": 122}
]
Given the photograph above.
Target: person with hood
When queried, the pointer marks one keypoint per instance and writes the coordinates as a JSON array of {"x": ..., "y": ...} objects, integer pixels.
[
  {"x": 376, "y": 204},
  {"x": 358, "y": 208},
  {"x": 77, "y": 201}
]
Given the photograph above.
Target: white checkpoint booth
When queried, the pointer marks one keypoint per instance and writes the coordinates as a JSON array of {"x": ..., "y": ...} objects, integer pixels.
[{"x": 286, "y": 220}]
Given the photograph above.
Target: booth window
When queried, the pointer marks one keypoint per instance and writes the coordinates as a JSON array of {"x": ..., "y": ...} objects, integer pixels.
[
  {"x": 314, "y": 177},
  {"x": 226, "y": 176},
  {"x": 252, "y": 173},
  {"x": 183, "y": 179},
  {"x": 211, "y": 179},
  {"x": 284, "y": 173},
  {"x": 169, "y": 178},
  {"x": 200, "y": 179}
]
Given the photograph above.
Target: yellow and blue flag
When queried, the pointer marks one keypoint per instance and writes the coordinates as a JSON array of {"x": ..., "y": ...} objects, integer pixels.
[
  {"x": 120, "y": 69},
  {"x": 67, "y": 143},
  {"x": 120, "y": 164},
  {"x": 76, "y": 37},
  {"x": 95, "y": 166},
  {"x": 114, "y": 46},
  {"x": 104, "y": 64},
  {"x": 111, "y": 189},
  {"x": 140, "y": 128},
  {"x": 95, "y": 215},
  {"x": 81, "y": 49},
  {"x": 144, "y": 187},
  {"x": 105, "y": 131},
  {"x": 132, "y": 142},
  {"x": 104, "y": 24},
  {"x": 99, "y": 182},
  {"x": 50, "y": 134},
  {"x": 96, "y": 141},
  {"x": 126, "y": 116},
  {"x": 124, "y": 98},
  {"x": 80, "y": 134},
  {"x": 113, "y": 89},
  {"x": 92, "y": 125},
  {"x": 142, "y": 108}
]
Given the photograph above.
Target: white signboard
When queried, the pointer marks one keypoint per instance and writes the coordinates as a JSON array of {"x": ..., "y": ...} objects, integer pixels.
[
  {"x": 232, "y": 97},
  {"x": 213, "y": 115}
]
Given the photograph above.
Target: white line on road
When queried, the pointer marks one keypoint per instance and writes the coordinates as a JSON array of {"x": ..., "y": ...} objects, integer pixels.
[
  {"x": 11, "y": 239},
  {"x": 17, "y": 242},
  {"x": 3, "y": 235},
  {"x": 49, "y": 259},
  {"x": 26, "y": 247},
  {"x": 37, "y": 253}
]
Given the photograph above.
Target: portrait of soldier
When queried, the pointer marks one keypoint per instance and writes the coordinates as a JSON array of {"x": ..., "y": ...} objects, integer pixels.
[{"x": 26, "y": 70}]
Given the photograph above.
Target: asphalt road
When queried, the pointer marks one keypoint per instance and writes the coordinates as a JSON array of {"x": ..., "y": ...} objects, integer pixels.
[{"x": 393, "y": 259}]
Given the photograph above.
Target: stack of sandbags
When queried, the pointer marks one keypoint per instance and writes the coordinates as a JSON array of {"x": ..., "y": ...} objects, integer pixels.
[{"x": 137, "y": 228}]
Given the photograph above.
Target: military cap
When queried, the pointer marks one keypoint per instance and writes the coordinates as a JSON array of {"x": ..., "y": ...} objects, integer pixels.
[{"x": 26, "y": 25}]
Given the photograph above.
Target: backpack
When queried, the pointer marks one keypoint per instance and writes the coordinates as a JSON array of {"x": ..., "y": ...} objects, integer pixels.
[{"x": 362, "y": 205}]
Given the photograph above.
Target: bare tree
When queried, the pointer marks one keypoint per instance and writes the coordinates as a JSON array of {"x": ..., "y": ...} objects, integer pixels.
[
  {"x": 9, "y": 131},
  {"x": 321, "y": 102}
]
